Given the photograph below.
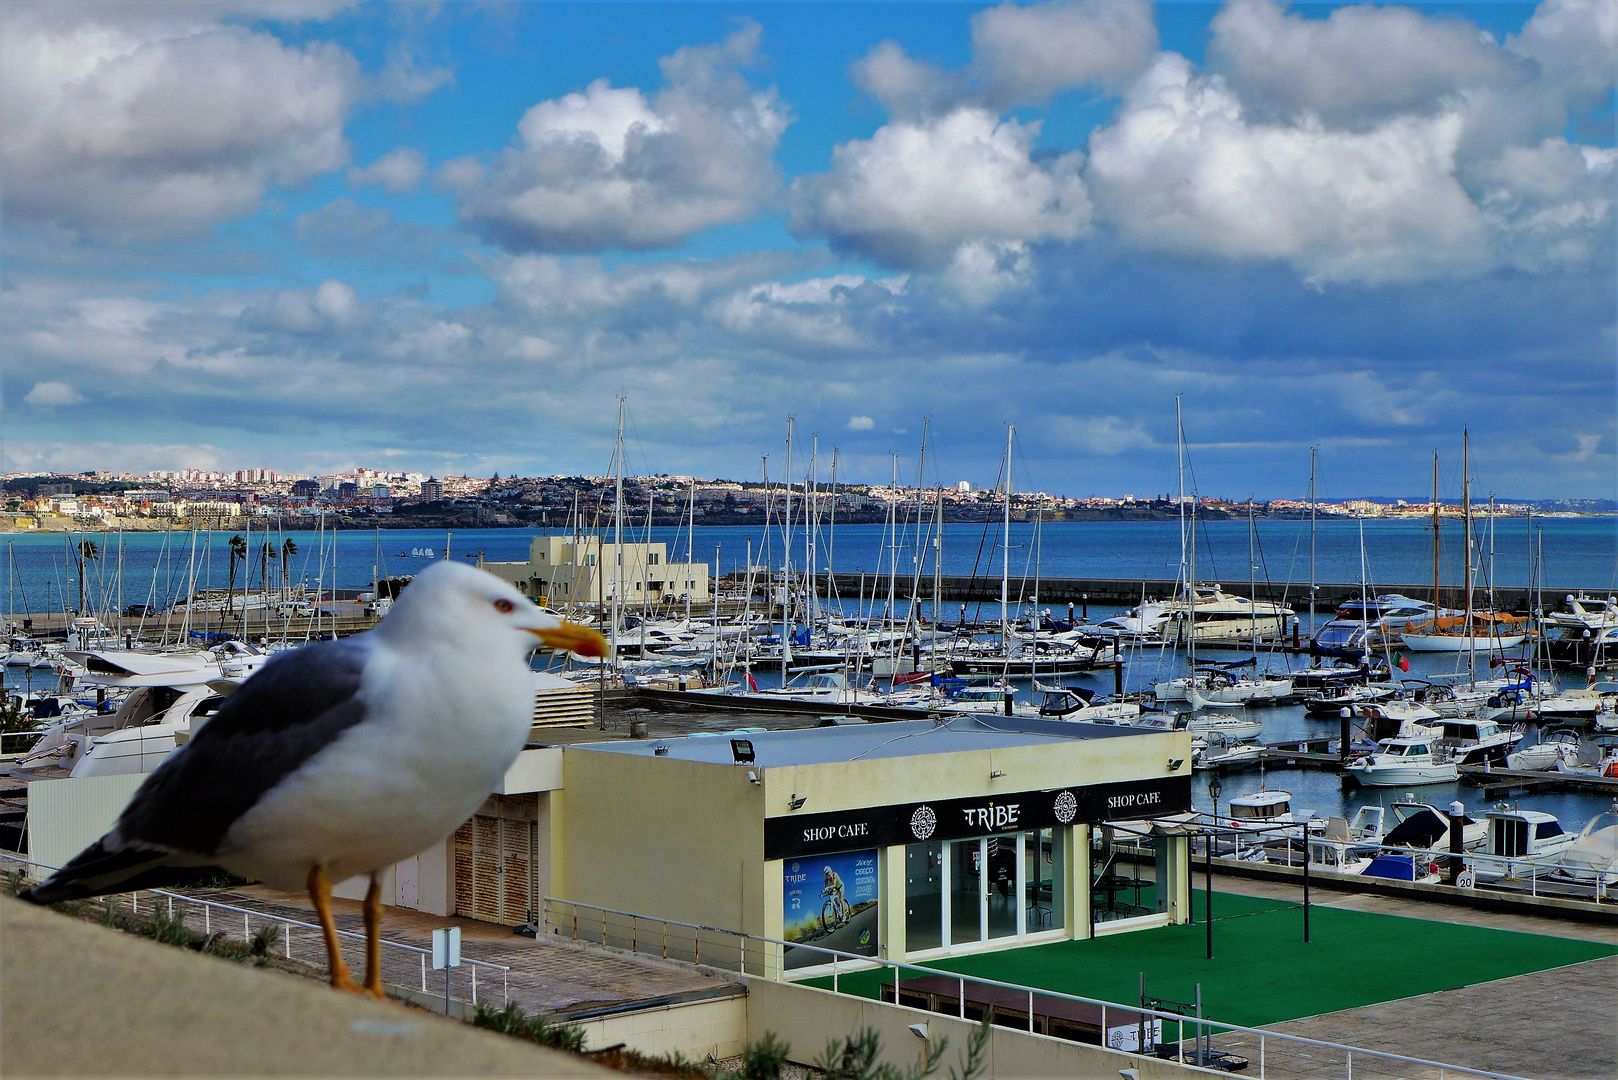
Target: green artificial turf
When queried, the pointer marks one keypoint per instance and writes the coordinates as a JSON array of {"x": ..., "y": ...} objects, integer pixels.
[{"x": 1262, "y": 971}]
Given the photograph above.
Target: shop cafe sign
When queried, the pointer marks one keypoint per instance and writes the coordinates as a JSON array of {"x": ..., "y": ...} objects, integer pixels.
[{"x": 956, "y": 819}]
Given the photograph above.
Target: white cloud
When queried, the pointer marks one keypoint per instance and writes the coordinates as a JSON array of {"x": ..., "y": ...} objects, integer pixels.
[
  {"x": 1575, "y": 43},
  {"x": 860, "y": 423},
  {"x": 1184, "y": 169},
  {"x": 1026, "y": 53},
  {"x": 130, "y": 125},
  {"x": 333, "y": 305},
  {"x": 50, "y": 395},
  {"x": 608, "y": 168},
  {"x": 916, "y": 191},
  {"x": 398, "y": 170},
  {"x": 1359, "y": 65},
  {"x": 1551, "y": 203}
]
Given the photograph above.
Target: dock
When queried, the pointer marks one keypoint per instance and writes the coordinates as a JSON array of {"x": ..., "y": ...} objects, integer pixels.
[{"x": 1504, "y": 781}]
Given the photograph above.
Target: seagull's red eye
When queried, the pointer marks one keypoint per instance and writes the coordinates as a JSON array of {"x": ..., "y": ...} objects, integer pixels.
[{"x": 504, "y": 606}]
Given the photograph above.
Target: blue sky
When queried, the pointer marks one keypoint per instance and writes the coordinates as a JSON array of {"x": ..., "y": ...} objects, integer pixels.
[{"x": 447, "y": 237}]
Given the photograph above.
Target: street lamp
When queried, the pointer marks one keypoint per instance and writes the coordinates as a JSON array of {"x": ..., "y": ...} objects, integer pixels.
[{"x": 1215, "y": 789}]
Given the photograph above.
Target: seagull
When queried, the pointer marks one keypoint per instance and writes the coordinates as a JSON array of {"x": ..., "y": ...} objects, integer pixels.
[{"x": 342, "y": 757}]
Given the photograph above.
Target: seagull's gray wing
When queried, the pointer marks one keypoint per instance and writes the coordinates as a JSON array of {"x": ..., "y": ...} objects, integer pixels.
[{"x": 285, "y": 714}]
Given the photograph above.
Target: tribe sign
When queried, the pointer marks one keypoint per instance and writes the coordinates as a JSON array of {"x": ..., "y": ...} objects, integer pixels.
[{"x": 957, "y": 819}]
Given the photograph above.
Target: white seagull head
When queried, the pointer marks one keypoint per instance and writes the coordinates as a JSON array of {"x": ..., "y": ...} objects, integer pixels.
[{"x": 453, "y": 601}]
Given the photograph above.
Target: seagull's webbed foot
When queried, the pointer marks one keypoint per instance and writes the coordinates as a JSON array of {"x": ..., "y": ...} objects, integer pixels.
[{"x": 320, "y": 896}]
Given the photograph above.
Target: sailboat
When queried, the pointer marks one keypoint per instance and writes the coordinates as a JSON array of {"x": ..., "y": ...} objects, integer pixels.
[{"x": 1461, "y": 633}]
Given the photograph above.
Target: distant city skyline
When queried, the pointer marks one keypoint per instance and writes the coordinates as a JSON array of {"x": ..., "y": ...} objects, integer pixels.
[{"x": 448, "y": 237}]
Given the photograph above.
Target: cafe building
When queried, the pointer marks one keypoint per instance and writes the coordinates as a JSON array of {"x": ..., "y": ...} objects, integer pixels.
[{"x": 904, "y": 841}]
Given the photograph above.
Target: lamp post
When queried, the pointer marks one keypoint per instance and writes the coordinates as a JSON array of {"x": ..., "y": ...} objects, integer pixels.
[{"x": 1215, "y": 789}]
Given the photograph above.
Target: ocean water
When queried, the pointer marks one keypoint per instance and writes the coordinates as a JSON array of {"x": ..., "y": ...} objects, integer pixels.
[{"x": 1579, "y": 553}]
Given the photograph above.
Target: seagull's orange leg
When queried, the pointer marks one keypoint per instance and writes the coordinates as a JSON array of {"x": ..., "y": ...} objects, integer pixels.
[
  {"x": 320, "y": 894},
  {"x": 373, "y": 940}
]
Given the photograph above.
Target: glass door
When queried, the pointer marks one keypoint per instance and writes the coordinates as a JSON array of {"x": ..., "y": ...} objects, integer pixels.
[
  {"x": 924, "y": 896},
  {"x": 966, "y": 901}
]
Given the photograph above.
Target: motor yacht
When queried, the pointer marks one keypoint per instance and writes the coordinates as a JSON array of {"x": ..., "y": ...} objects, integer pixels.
[
  {"x": 1593, "y": 857},
  {"x": 1423, "y": 825},
  {"x": 1221, "y": 616},
  {"x": 1553, "y": 750},
  {"x": 1400, "y": 763},
  {"x": 1521, "y": 843},
  {"x": 1476, "y": 742},
  {"x": 1082, "y": 704},
  {"x": 1361, "y": 626},
  {"x": 1583, "y": 636}
]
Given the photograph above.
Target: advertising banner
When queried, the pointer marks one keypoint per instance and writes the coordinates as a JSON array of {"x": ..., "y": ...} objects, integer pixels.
[
  {"x": 799, "y": 835},
  {"x": 830, "y": 901}
]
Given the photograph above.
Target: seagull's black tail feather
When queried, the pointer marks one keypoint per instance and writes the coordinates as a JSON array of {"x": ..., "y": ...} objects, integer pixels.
[{"x": 96, "y": 871}]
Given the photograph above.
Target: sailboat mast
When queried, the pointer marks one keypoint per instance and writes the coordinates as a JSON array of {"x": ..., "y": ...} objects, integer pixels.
[
  {"x": 786, "y": 547},
  {"x": 1466, "y": 513},
  {"x": 1005, "y": 551},
  {"x": 1314, "y": 453},
  {"x": 617, "y": 529},
  {"x": 812, "y": 483},
  {"x": 1436, "y": 604},
  {"x": 691, "y": 557}
]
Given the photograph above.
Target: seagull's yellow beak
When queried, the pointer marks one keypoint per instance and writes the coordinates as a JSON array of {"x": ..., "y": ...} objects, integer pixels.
[{"x": 573, "y": 638}]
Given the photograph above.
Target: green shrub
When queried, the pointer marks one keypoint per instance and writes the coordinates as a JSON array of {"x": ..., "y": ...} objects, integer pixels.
[
  {"x": 764, "y": 1059},
  {"x": 512, "y": 1020},
  {"x": 169, "y": 929},
  {"x": 264, "y": 939}
]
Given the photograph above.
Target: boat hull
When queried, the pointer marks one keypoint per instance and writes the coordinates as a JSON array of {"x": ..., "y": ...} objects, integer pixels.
[{"x": 1461, "y": 642}]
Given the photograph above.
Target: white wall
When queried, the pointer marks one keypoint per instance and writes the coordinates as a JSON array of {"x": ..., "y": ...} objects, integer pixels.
[{"x": 67, "y": 816}]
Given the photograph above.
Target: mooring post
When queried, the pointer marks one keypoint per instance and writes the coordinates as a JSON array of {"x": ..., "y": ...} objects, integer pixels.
[
  {"x": 1343, "y": 717},
  {"x": 1457, "y": 818}
]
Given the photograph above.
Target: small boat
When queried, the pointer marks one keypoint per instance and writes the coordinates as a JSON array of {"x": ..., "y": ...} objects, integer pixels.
[
  {"x": 1491, "y": 632},
  {"x": 1082, "y": 704},
  {"x": 1423, "y": 825},
  {"x": 1231, "y": 727},
  {"x": 1593, "y": 857},
  {"x": 1588, "y": 706},
  {"x": 1477, "y": 742},
  {"x": 1401, "y": 762},
  {"x": 1555, "y": 749},
  {"x": 1215, "y": 751},
  {"x": 1521, "y": 843}
]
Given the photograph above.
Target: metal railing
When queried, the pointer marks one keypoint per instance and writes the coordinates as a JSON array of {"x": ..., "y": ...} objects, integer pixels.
[
  {"x": 399, "y": 961},
  {"x": 767, "y": 958}
]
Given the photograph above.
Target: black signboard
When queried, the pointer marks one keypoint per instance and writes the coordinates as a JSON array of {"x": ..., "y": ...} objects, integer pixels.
[{"x": 957, "y": 819}]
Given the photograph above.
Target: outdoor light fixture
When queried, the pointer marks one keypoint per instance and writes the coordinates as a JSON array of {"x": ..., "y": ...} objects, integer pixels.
[
  {"x": 660, "y": 750},
  {"x": 752, "y": 777},
  {"x": 995, "y": 774},
  {"x": 920, "y": 1031},
  {"x": 1175, "y": 763},
  {"x": 1129, "y": 1074},
  {"x": 797, "y": 801},
  {"x": 741, "y": 751}
]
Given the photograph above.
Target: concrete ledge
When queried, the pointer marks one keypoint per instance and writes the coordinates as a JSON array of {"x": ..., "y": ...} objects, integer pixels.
[
  {"x": 81, "y": 1000},
  {"x": 806, "y": 1018}
]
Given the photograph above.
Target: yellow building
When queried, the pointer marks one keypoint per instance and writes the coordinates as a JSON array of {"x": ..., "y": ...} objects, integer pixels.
[
  {"x": 903, "y": 840},
  {"x": 563, "y": 570}
]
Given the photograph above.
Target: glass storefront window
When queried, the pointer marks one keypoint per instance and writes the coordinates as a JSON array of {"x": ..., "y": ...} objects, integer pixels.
[
  {"x": 1043, "y": 874},
  {"x": 924, "y": 896},
  {"x": 1002, "y": 885},
  {"x": 965, "y": 891},
  {"x": 1125, "y": 872}
]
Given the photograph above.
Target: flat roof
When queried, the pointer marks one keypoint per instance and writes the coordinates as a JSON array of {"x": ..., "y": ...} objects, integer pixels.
[{"x": 851, "y": 742}]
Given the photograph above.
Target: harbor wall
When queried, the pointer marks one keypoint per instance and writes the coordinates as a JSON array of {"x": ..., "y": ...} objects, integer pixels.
[{"x": 1127, "y": 592}]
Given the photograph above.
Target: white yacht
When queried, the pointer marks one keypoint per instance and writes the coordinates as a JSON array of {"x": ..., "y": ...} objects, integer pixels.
[
  {"x": 1401, "y": 762},
  {"x": 1593, "y": 857},
  {"x": 1219, "y": 616},
  {"x": 1476, "y": 742},
  {"x": 1521, "y": 843},
  {"x": 1361, "y": 627},
  {"x": 1554, "y": 750}
]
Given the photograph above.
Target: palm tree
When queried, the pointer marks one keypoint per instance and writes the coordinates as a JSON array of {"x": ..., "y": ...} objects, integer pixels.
[
  {"x": 289, "y": 548},
  {"x": 238, "y": 552},
  {"x": 88, "y": 551}
]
